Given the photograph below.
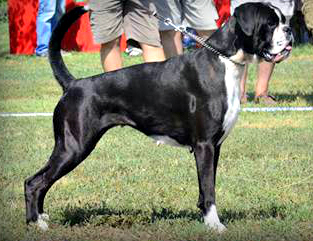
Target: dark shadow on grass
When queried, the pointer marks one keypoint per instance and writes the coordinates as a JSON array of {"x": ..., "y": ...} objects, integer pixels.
[
  {"x": 286, "y": 97},
  {"x": 103, "y": 215},
  {"x": 274, "y": 210},
  {"x": 4, "y": 54},
  {"x": 121, "y": 218}
]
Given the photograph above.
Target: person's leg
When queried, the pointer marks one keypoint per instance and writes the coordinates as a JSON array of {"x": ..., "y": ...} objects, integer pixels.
[
  {"x": 243, "y": 94},
  {"x": 171, "y": 39},
  {"x": 265, "y": 71},
  {"x": 172, "y": 43},
  {"x": 152, "y": 53},
  {"x": 201, "y": 16},
  {"x": 110, "y": 55},
  {"x": 46, "y": 11},
  {"x": 143, "y": 28},
  {"x": 205, "y": 33},
  {"x": 106, "y": 20}
]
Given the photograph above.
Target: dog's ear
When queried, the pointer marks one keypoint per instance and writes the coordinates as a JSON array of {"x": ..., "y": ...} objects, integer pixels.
[{"x": 244, "y": 19}]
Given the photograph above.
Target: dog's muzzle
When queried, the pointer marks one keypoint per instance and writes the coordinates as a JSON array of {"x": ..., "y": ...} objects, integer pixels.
[{"x": 276, "y": 58}]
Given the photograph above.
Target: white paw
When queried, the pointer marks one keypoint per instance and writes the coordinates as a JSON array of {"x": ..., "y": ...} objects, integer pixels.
[
  {"x": 41, "y": 222},
  {"x": 212, "y": 221},
  {"x": 218, "y": 227},
  {"x": 44, "y": 216}
]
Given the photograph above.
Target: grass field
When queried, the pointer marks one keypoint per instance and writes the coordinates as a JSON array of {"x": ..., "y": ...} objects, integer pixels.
[{"x": 131, "y": 189}]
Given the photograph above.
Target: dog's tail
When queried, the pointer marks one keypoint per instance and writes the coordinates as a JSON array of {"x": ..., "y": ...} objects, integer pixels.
[{"x": 60, "y": 71}]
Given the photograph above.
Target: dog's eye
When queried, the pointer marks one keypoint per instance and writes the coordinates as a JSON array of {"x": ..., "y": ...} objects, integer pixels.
[{"x": 271, "y": 23}]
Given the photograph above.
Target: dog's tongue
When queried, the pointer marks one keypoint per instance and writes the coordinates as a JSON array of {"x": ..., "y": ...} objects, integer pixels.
[{"x": 279, "y": 57}]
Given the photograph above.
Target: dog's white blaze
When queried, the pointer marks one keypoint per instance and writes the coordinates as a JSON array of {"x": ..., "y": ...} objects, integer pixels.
[
  {"x": 233, "y": 73},
  {"x": 279, "y": 41},
  {"x": 212, "y": 220}
]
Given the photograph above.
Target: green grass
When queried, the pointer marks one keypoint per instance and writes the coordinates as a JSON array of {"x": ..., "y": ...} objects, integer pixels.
[{"x": 131, "y": 189}]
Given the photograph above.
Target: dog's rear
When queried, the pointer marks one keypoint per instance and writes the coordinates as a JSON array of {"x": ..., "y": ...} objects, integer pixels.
[{"x": 67, "y": 147}]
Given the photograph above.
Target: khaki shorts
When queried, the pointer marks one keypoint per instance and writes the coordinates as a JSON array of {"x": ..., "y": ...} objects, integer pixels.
[
  {"x": 110, "y": 18},
  {"x": 307, "y": 9},
  {"x": 197, "y": 14}
]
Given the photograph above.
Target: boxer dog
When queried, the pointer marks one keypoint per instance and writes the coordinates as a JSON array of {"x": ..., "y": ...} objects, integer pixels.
[{"x": 191, "y": 100}]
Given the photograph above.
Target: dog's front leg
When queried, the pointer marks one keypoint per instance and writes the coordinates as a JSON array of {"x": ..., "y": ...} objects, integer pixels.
[{"x": 204, "y": 153}]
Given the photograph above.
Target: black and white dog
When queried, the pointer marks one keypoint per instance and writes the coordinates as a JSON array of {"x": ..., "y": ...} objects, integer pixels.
[{"x": 190, "y": 100}]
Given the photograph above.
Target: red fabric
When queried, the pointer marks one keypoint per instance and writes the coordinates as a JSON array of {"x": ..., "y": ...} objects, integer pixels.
[
  {"x": 22, "y": 26},
  {"x": 123, "y": 43},
  {"x": 79, "y": 37},
  {"x": 223, "y": 10}
]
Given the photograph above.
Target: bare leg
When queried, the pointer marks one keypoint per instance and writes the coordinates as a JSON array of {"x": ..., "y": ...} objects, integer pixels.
[
  {"x": 264, "y": 74},
  {"x": 261, "y": 91},
  {"x": 110, "y": 56},
  {"x": 152, "y": 53},
  {"x": 243, "y": 94},
  {"x": 205, "y": 33},
  {"x": 172, "y": 43}
]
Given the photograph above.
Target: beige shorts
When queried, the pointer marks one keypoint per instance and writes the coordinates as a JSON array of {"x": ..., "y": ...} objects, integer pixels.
[
  {"x": 307, "y": 9},
  {"x": 110, "y": 18},
  {"x": 197, "y": 14}
]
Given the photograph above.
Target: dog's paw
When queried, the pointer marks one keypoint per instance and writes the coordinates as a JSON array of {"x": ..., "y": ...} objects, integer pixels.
[
  {"x": 44, "y": 216},
  {"x": 218, "y": 227},
  {"x": 42, "y": 222},
  {"x": 212, "y": 220}
]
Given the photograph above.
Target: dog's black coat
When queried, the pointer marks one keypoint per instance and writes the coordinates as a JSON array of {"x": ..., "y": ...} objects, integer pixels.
[{"x": 184, "y": 98}]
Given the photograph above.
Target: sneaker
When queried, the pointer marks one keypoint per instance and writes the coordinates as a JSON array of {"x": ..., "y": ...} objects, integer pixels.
[
  {"x": 265, "y": 99},
  {"x": 133, "y": 51},
  {"x": 44, "y": 54}
]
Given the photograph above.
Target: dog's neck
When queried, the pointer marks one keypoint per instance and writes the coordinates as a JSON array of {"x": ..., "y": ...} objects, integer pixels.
[{"x": 225, "y": 40}]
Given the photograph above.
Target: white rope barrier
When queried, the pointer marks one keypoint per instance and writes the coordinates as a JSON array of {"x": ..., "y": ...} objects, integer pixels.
[
  {"x": 276, "y": 109},
  {"x": 37, "y": 114},
  {"x": 247, "y": 109}
]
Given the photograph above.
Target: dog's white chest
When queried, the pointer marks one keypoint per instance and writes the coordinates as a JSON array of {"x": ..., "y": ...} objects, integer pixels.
[{"x": 233, "y": 73}]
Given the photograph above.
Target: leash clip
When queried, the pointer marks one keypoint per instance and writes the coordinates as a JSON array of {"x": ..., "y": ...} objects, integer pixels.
[
  {"x": 168, "y": 21},
  {"x": 181, "y": 28}
]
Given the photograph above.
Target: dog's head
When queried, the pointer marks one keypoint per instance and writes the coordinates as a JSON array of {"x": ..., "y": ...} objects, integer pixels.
[{"x": 264, "y": 31}]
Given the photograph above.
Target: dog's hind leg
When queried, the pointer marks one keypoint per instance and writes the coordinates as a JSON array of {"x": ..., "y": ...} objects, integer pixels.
[
  {"x": 72, "y": 146},
  {"x": 38, "y": 185},
  {"x": 206, "y": 158}
]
